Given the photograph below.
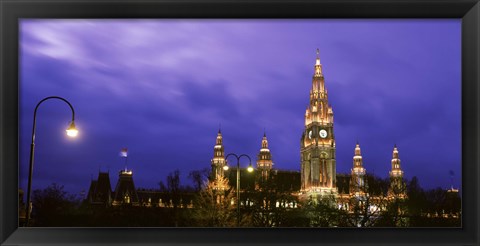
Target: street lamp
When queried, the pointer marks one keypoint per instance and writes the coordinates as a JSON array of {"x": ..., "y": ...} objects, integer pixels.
[
  {"x": 71, "y": 132},
  {"x": 249, "y": 169}
]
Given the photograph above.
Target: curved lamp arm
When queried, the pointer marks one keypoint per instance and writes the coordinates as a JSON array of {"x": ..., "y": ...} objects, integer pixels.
[
  {"x": 238, "y": 157},
  {"x": 71, "y": 131},
  {"x": 38, "y": 105}
]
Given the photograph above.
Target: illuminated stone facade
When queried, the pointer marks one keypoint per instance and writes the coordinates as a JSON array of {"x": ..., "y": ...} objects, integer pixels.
[{"x": 318, "y": 165}]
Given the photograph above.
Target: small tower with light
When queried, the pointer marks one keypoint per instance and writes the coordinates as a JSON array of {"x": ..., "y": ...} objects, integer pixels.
[
  {"x": 218, "y": 160},
  {"x": 397, "y": 185},
  {"x": 125, "y": 192},
  {"x": 264, "y": 159},
  {"x": 357, "y": 183}
]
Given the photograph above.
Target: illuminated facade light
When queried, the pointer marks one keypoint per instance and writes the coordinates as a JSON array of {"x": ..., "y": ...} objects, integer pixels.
[{"x": 127, "y": 172}]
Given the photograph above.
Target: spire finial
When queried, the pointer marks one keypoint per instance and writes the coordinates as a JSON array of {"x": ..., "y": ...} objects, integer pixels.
[
  {"x": 264, "y": 132},
  {"x": 219, "y": 127},
  {"x": 318, "y": 57}
]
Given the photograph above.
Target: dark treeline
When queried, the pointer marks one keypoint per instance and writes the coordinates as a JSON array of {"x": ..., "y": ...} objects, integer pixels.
[{"x": 213, "y": 204}]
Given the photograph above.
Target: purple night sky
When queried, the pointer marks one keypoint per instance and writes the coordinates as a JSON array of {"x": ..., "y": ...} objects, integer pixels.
[{"x": 162, "y": 87}]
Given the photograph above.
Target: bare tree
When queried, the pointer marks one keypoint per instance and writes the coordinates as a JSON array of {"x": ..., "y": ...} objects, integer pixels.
[
  {"x": 366, "y": 204},
  {"x": 198, "y": 177},
  {"x": 395, "y": 211},
  {"x": 53, "y": 206},
  {"x": 213, "y": 205},
  {"x": 270, "y": 202},
  {"x": 323, "y": 212},
  {"x": 174, "y": 190}
]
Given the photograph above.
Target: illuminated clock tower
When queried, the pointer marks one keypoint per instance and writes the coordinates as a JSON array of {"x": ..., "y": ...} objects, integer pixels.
[{"x": 318, "y": 167}]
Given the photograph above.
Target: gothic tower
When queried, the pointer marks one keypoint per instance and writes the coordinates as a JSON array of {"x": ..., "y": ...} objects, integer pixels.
[
  {"x": 218, "y": 161},
  {"x": 317, "y": 145},
  {"x": 100, "y": 191},
  {"x": 397, "y": 185},
  {"x": 125, "y": 192},
  {"x": 357, "y": 183},
  {"x": 264, "y": 159}
]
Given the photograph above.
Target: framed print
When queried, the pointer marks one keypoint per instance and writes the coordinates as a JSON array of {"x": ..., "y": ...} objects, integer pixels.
[{"x": 239, "y": 122}]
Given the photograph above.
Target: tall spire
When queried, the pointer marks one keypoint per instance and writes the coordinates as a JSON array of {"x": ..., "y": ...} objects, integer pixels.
[
  {"x": 218, "y": 143},
  {"x": 319, "y": 109},
  {"x": 318, "y": 65},
  {"x": 395, "y": 153},
  {"x": 357, "y": 150},
  {"x": 264, "y": 141}
]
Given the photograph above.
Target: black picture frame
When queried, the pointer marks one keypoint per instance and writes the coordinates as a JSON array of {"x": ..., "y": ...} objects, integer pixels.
[{"x": 11, "y": 11}]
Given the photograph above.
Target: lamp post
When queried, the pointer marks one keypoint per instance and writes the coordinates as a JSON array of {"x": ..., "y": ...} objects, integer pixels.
[
  {"x": 249, "y": 169},
  {"x": 71, "y": 132}
]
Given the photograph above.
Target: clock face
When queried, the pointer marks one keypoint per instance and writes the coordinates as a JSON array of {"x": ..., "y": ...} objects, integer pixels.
[
  {"x": 310, "y": 134},
  {"x": 323, "y": 133}
]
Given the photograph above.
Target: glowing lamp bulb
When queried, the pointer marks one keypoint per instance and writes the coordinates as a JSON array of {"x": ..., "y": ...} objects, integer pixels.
[
  {"x": 250, "y": 168},
  {"x": 225, "y": 167},
  {"x": 72, "y": 131}
]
